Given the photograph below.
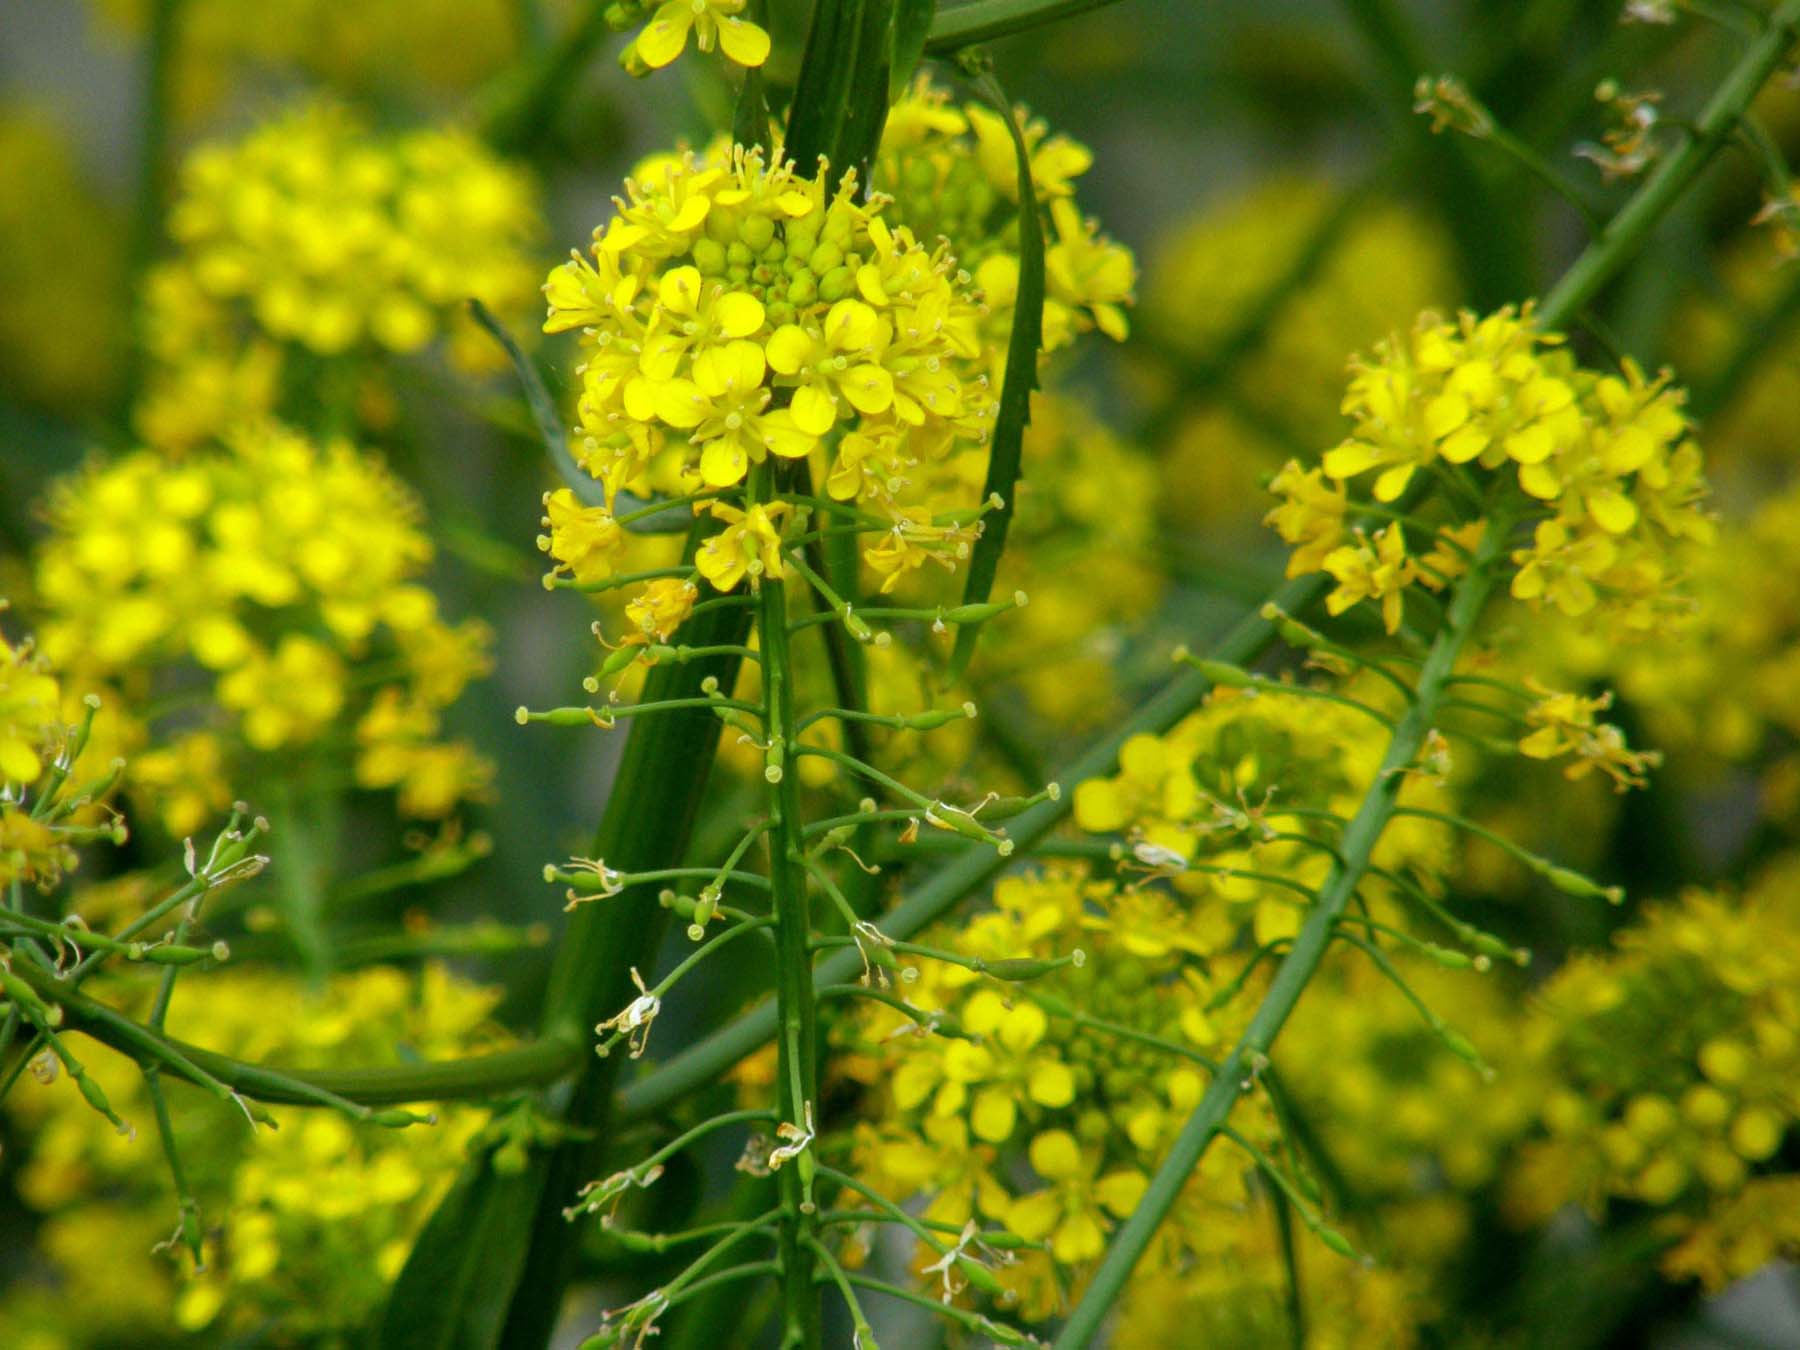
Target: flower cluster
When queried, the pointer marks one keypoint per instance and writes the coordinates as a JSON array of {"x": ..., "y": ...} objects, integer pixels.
[
  {"x": 50, "y": 741},
  {"x": 316, "y": 1216},
  {"x": 1604, "y": 470},
  {"x": 1236, "y": 804},
  {"x": 448, "y": 44},
  {"x": 1676, "y": 1057},
  {"x": 733, "y": 311},
  {"x": 316, "y": 231},
  {"x": 953, "y": 173},
  {"x": 279, "y": 567},
  {"x": 1084, "y": 1074},
  {"x": 711, "y": 23},
  {"x": 1565, "y": 724}
]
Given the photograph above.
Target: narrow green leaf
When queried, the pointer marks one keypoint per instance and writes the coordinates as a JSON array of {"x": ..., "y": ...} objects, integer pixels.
[
  {"x": 550, "y": 430},
  {"x": 1022, "y": 347},
  {"x": 841, "y": 101},
  {"x": 912, "y": 26},
  {"x": 454, "y": 1290},
  {"x": 960, "y": 26}
]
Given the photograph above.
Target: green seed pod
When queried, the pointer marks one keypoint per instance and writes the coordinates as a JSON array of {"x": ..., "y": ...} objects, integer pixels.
[{"x": 1336, "y": 1241}]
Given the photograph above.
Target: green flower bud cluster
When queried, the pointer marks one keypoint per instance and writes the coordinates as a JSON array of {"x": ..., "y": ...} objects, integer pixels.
[{"x": 788, "y": 267}]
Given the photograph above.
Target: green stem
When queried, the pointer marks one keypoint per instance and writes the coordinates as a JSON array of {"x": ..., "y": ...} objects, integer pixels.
[
  {"x": 976, "y": 865},
  {"x": 1626, "y": 232},
  {"x": 1302, "y": 960},
  {"x": 152, "y": 168},
  {"x": 796, "y": 1012}
]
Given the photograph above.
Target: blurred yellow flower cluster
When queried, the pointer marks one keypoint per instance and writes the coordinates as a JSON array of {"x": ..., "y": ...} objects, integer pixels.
[
  {"x": 1241, "y": 804},
  {"x": 308, "y": 1223},
  {"x": 1676, "y": 1059},
  {"x": 1083, "y": 549},
  {"x": 449, "y": 45},
  {"x": 290, "y": 574},
  {"x": 1253, "y": 264},
  {"x": 1079, "y": 1073},
  {"x": 315, "y": 234}
]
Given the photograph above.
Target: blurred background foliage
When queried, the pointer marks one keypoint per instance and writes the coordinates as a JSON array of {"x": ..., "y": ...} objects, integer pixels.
[{"x": 1629, "y": 1174}]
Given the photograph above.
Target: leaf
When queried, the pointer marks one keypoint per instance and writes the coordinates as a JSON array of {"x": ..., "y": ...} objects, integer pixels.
[
  {"x": 912, "y": 26},
  {"x": 549, "y": 424},
  {"x": 983, "y": 20},
  {"x": 841, "y": 101},
  {"x": 1022, "y": 346},
  {"x": 455, "y": 1288}
]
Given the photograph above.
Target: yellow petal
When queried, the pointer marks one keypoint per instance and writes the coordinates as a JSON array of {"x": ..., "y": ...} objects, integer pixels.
[
  {"x": 1033, "y": 1216},
  {"x": 869, "y": 388},
  {"x": 680, "y": 289},
  {"x": 743, "y": 41},
  {"x": 1613, "y": 510},
  {"x": 1351, "y": 458},
  {"x": 1077, "y": 1239},
  {"x": 739, "y": 314},
  {"x": 994, "y": 1115},
  {"x": 1121, "y": 1191},
  {"x": 814, "y": 411},
  {"x": 788, "y": 348},
  {"x": 18, "y": 761},
  {"x": 1023, "y": 1027},
  {"x": 723, "y": 462},
  {"x": 851, "y": 326},
  {"x": 1055, "y": 1155},
  {"x": 1051, "y": 1084},
  {"x": 665, "y": 35},
  {"x": 784, "y": 438},
  {"x": 680, "y": 403}
]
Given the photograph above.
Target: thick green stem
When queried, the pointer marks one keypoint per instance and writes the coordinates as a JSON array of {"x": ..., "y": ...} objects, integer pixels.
[
  {"x": 1240, "y": 1067},
  {"x": 152, "y": 167},
  {"x": 795, "y": 1009}
]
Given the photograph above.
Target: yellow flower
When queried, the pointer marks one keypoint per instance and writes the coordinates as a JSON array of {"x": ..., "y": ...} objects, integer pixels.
[
  {"x": 287, "y": 698},
  {"x": 712, "y": 22},
  {"x": 30, "y": 714},
  {"x": 659, "y": 609},
  {"x": 1311, "y": 518},
  {"x": 1565, "y": 724},
  {"x": 826, "y": 362},
  {"x": 1381, "y": 572},
  {"x": 721, "y": 409},
  {"x": 1071, "y": 1211},
  {"x": 1561, "y": 566},
  {"x": 583, "y": 540},
  {"x": 749, "y": 545}
]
